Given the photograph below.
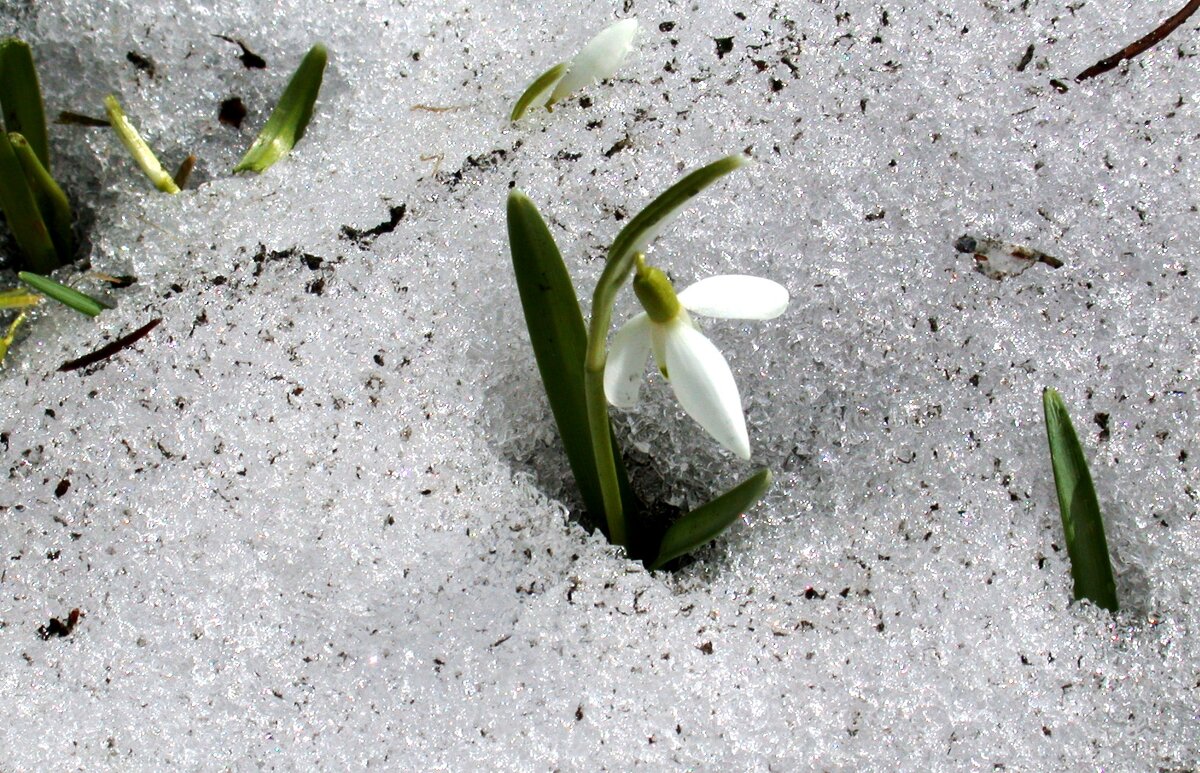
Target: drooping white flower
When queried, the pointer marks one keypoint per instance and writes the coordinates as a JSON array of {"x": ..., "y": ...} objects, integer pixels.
[
  {"x": 695, "y": 368},
  {"x": 599, "y": 59}
]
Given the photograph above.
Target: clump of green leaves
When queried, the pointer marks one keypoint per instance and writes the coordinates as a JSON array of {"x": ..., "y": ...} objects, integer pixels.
[
  {"x": 291, "y": 115},
  {"x": 571, "y": 360},
  {"x": 1083, "y": 527},
  {"x": 35, "y": 207},
  {"x": 38, "y": 211}
]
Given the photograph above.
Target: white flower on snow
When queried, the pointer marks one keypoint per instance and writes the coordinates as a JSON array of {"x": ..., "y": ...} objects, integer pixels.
[
  {"x": 695, "y": 368},
  {"x": 598, "y": 60}
]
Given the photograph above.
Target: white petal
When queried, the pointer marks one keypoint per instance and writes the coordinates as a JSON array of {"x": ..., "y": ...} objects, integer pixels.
[
  {"x": 599, "y": 59},
  {"x": 736, "y": 296},
  {"x": 627, "y": 361},
  {"x": 705, "y": 387}
]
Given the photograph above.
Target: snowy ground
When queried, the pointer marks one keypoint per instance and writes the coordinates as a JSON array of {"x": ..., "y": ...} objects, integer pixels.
[{"x": 318, "y": 518}]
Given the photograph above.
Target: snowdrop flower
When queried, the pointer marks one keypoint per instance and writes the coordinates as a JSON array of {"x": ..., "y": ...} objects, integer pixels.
[
  {"x": 598, "y": 60},
  {"x": 695, "y": 368}
]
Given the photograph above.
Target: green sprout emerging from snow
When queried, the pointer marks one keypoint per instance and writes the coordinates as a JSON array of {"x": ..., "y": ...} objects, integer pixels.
[
  {"x": 34, "y": 205},
  {"x": 291, "y": 115},
  {"x": 137, "y": 147},
  {"x": 581, "y": 378},
  {"x": 1079, "y": 507}
]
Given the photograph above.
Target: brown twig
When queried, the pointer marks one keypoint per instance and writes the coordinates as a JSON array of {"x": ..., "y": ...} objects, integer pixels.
[
  {"x": 1141, "y": 45},
  {"x": 108, "y": 350},
  {"x": 68, "y": 118},
  {"x": 184, "y": 172}
]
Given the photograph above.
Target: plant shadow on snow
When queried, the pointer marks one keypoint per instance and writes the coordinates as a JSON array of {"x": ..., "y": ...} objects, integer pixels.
[
  {"x": 526, "y": 437},
  {"x": 1129, "y": 548}
]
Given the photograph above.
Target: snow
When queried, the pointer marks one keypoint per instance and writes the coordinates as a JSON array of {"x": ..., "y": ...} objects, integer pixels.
[{"x": 319, "y": 518}]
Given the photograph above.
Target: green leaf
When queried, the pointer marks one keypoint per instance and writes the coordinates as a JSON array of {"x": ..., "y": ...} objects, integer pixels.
[
  {"x": 84, "y": 304},
  {"x": 538, "y": 91},
  {"x": 647, "y": 224},
  {"x": 556, "y": 332},
  {"x": 705, "y": 523},
  {"x": 51, "y": 201},
  {"x": 1079, "y": 508},
  {"x": 21, "y": 97},
  {"x": 290, "y": 117},
  {"x": 137, "y": 147},
  {"x": 21, "y": 211},
  {"x": 18, "y": 298}
]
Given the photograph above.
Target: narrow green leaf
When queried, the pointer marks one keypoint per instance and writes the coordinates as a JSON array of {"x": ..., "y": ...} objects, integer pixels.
[
  {"x": 290, "y": 117},
  {"x": 84, "y": 304},
  {"x": 539, "y": 91},
  {"x": 51, "y": 201},
  {"x": 137, "y": 147},
  {"x": 705, "y": 523},
  {"x": 559, "y": 342},
  {"x": 18, "y": 298},
  {"x": 21, "y": 211},
  {"x": 1079, "y": 508},
  {"x": 21, "y": 97},
  {"x": 7, "y": 340},
  {"x": 647, "y": 224}
]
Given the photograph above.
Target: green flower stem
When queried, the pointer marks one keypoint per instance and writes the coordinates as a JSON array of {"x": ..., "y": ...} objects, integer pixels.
[{"x": 615, "y": 274}]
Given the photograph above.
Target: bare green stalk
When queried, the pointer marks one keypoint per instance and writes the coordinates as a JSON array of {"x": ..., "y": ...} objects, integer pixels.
[{"x": 138, "y": 148}]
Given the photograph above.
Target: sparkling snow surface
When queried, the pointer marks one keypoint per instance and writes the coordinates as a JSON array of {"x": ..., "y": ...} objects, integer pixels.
[{"x": 319, "y": 518}]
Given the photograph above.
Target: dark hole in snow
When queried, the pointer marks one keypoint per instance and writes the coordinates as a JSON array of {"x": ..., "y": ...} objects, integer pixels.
[{"x": 232, "y": 112}]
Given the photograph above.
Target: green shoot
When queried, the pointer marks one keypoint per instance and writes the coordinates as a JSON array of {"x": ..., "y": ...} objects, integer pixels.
[
  {"x": 138, "y": 148},
  {"x": 1080, "y": 509},
  {"x": 538, "y": 91},
  {"x": 51, "y": 201},
  {"x": 21, "y": 97},
  {"x": 21, "y": 210},
  {"x": 291, "y": 115},
  {"x": 84, "y": 304}
]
